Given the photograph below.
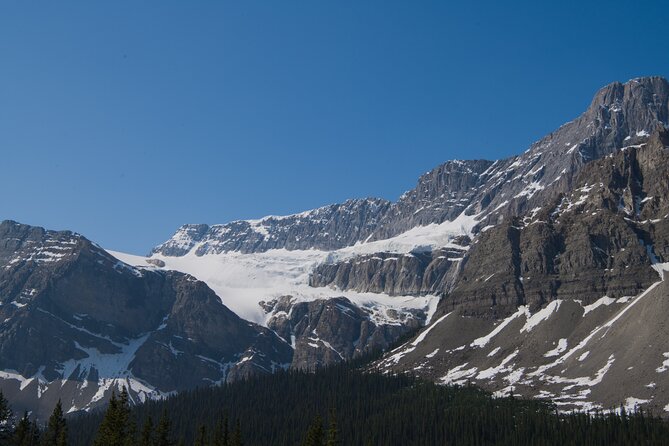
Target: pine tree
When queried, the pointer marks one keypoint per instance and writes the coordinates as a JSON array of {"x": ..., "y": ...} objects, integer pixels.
[
  {"x": 201, "y": 439},
  {"x": 315, "y": 433},
  {"x": 333, "y": 431},
  {"x": 6, "y": 427},
  {"x": 146, "y": 438},
  {"x": 23, "y": 431},
  {"x": 131, "y": 433},
  {"x": 226, "y": 432},
  {"x": 221, "y": 434},
  {"x": 34, "y": 434},
  {"x": 236, "y": 438},
  {"x": 56, "y": 431},
  {"x": 115, "y": 427},
  {"x": 163, "y": 431}
]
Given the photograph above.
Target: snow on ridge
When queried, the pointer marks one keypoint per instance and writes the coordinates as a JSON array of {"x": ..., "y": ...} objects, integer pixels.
[
  {"x": 244, "y": 280},
  {"x": 541, "y": 315},
  {"x": 483, "y": 341},
  {"x": 605, "y": 300},
  {"x": 562, "y": 346}
]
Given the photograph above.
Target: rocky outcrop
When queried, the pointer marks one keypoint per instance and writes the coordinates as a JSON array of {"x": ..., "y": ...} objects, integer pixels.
[
  {"x": 327, "y": 228},
  {"x": 440, "y": 195},
  {"x": 570, "y": 301},
  {"x": 583, "y": 357},
  {"x": 77, "y": 323},
  {"x": 326, "y": 331},
  {"x": 599, "y": 240},
  {"x": 415, "y": 274}
]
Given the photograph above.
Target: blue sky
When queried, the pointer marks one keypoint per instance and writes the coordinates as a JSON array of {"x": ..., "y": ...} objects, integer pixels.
[{"x": 123, "y": 120}]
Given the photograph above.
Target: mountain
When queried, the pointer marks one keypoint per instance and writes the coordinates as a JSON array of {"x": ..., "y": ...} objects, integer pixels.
[
  {"x": 568, "y": 303},
  {"x": 489, "y": 238},
  {"x": 77, "y": 322},
  {"x": 619, "y": 115},
  {"x": 540, "y": 274},
  {"x": 326, "y": 228}
]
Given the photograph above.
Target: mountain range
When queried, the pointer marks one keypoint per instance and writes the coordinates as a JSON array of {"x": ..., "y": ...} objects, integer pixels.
[{"x": 541, "y": 274}]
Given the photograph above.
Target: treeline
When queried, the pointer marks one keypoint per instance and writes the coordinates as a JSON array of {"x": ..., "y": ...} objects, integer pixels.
[
  {"x": 24, "y": 432},
  {"x": 336, "y": 406},
  {"x": 343, "y": 406}
]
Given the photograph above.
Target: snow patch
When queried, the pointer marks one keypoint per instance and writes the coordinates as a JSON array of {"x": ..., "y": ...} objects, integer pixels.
[
  {"x": 561, "y": 347},
  {"x": 541, "y": 315}
]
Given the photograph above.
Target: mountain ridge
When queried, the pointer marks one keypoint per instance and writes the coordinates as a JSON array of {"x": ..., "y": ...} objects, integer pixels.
[
  {"x": 619, "y": 114},
  {"x": 573, "y": 226}
]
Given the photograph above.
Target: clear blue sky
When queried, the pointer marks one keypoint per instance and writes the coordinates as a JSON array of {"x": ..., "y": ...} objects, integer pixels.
[{"x": 123, "y": 120}]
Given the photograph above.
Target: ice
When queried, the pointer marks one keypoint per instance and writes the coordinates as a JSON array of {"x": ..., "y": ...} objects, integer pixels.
[
  {"x": 606, "y": 300},
  {"x": 483, "y": 341},
  {"x": 541, "y": 315},
  {"x": 494, "y": 352},
  {"x": 242, "y": 281},
  {"x": 407, "y": 348},
  {"x": 458, "y": 374},
  {"x": 530, "y": 190},
  {"x": 562, "y": 346},
  {"x": 427, "y": 331},
  {"x": 632, "y": 404},
  {"x": 491, "y": 372},
  {"x": 665, "y": 364}
]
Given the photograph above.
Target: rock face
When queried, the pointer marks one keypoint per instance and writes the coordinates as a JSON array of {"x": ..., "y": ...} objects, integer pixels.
[
  {"x": 326, "y": 228},
  {"x": 76, "y": 322},
  {"x": 620, "y": 115},
  {"x": 568, "y": 302},
  {"x": 598, "y": 240},
  {"x": 441, "y": 194},
  {"x": 327, "y": 331},
  {"x": 416, "y": 273}
]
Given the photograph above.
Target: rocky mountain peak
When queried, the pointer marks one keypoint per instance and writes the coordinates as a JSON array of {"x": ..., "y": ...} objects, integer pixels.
[
  {"x": 642, "y": 94},
  {"x": 328, "y": 227}
]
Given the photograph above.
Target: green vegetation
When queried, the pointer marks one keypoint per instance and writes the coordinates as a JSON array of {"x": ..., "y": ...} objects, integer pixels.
[{"x": 340, "y": 405}]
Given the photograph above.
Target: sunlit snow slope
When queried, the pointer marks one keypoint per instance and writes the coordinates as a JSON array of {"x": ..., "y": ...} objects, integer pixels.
[{"x": 242, "y": 281}]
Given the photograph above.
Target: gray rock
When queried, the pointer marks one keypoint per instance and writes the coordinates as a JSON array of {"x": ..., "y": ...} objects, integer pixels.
[
  {"x": 76, "y": 322},
  {"x": 414, "y": 274},
  {"x": 326, "y": 228},
  {"x": 583, "y": 307},
  {"x": 326, "y": 331}
]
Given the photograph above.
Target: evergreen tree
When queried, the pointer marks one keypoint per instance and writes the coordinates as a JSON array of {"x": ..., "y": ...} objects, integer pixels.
[
  {"x": 315, "y": 433},
  {"x": 35, "y": 432},
  {"x": 221, "y": 435},
  {"x": 23, "y": 431},
  {"x": 226, "y": 432},
  {"x": 201, "y": 439},
  {"x": 115, "y": 427},
  {"x": 163, "y": 431},
  {"x": 146, "y": 438},
  {"x": 236, "y": 438},
  {"x": 131, "y": 436},
  {"x": 375, "y": 409},
  {"x": 6, "y": 427},
  {"x": 56, "y": 430},
  {"x": 333, "y": 431}
]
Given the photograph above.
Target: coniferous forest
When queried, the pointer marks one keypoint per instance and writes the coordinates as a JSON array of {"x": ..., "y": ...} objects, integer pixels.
[{"x": 340, "y": 405}]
